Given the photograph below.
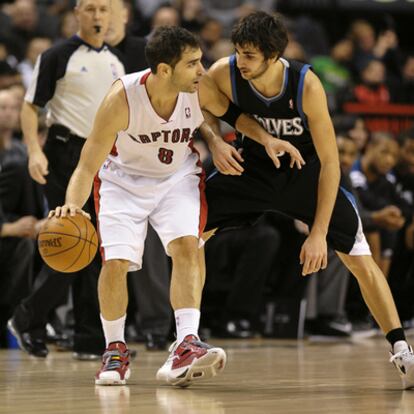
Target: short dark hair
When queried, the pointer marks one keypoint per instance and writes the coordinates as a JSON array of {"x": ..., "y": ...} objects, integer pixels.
[
  {"x": 262, "y": 30},
  {"x": 167, "y": 44}
]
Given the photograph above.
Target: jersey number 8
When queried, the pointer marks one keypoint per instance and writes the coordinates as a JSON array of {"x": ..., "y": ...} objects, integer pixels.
[{"x": 165, "y": 155}]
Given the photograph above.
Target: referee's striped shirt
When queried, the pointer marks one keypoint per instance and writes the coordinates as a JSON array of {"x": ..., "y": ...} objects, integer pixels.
[{"x": 71, "y": 79}]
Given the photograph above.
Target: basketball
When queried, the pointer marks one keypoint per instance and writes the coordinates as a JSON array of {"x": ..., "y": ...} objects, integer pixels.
[{"x": 68, "y": 244}]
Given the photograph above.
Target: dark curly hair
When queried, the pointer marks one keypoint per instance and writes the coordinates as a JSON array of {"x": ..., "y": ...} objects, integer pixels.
[
  {"x": 262, "y": 30},
  {"x": 167, "y": 44}
]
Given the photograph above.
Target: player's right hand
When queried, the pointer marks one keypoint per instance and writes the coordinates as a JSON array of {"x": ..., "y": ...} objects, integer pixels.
[
  {"x": 68, "y": 210},
  {"x": 276, "y": 147},
  {"x": 226, "y": 158},
  {"x": 38, "y": 166}
]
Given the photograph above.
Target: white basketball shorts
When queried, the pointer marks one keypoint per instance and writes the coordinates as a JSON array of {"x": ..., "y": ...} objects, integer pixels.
[{"x": 175, "y": 206}]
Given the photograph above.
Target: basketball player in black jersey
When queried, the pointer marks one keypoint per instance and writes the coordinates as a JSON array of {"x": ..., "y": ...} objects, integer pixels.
[{"x": 288, "y": 100}]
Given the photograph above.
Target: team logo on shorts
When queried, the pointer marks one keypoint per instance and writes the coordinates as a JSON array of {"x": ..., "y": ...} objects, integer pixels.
[{"x": 187, "y": 112}]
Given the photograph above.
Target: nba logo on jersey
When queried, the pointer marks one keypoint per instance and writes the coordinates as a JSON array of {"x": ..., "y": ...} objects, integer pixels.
[
  {"x": 187, "y": 112},
  {"x": 290, "y": 104},
  {"x": 114, "y": 71}
]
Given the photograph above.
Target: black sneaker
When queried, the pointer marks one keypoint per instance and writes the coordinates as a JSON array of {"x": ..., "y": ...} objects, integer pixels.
[
  {"x": 329, "y": 328},
  {"x": 27, "y": 342}
]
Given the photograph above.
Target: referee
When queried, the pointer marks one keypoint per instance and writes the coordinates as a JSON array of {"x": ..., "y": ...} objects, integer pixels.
[{"x": 70, "y": 80}]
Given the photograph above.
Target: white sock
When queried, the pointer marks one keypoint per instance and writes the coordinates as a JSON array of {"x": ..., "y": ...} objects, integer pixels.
[
  {"x": 114, "y": 331},
  {"x": 399, "y": 346},
  {"x": 187, "y": 321}
]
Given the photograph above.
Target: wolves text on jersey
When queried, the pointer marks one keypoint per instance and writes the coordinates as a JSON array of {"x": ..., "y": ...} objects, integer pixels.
[
  {"x": 174, "y": 136},
  {"x": 280, "y": 127}
]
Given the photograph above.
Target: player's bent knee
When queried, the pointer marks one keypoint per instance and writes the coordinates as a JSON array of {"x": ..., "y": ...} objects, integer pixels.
[
  {"x": 362, "y": 266},
  {"x": 183, "y": 247},
  {"x": 116, "y": 266}
]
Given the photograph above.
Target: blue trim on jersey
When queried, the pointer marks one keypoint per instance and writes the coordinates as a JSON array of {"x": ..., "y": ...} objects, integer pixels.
[
  {"x": 232, "y": 60},
  {"x": 215, "y": 172},
  {"x": 268, "y": 101},
  {"x": 300, "y": 95},
  {"x": 350, "y": 197}
]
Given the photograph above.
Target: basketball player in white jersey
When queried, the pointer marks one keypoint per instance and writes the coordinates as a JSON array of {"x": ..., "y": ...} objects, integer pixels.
[{"x": 141, "y": 143}]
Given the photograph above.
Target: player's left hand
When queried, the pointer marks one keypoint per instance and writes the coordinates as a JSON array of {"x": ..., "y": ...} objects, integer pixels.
[
  {"x": 68, "y": 209},
  {"x": 226, "y": 158},
  {"x": 314, "y": 254}
]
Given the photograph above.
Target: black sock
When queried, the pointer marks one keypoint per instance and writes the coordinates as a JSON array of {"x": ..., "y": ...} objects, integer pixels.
[{"x": 395, "y": 335}]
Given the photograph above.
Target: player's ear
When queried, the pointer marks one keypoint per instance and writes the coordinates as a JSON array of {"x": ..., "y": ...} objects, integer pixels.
[{"x": 164, "y": 70}]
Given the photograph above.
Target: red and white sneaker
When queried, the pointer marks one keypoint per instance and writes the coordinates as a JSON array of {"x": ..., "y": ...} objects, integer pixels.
[
  {"x": 191, "y": 360},
  {"x": 115, "y": 365}
]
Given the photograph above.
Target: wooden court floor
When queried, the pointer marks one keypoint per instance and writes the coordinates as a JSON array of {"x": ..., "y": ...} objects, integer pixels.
[{"x": 262, "y": 376}]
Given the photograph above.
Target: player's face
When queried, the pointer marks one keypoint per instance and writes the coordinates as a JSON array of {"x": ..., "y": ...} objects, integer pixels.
[
  {"x": 348, "y": 153},
  {"x": 188, "y": 71},
  {"x": 93, "y": 16},
  {"x": 251, "y": 62},
  {"x": 385, "y": 156},
  {"x": 407, "y": 155}
]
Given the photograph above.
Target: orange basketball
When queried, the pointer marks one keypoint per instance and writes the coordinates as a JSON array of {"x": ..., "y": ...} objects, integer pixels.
[{"x": 68, "y": 244}]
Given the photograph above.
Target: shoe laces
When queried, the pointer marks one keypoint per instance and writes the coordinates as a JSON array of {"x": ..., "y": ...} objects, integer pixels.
[
  {"x": 113, "y": 360},
  {"x": 405, "y": 355}
]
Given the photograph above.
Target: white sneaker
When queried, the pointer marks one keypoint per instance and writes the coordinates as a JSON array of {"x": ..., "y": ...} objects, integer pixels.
[
  {"x": 191, "y": 360},
  {"x": 404, "y": 362}
]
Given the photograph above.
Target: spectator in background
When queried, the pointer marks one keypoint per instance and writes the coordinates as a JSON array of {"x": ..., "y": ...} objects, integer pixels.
[
  {"x": 68, "y": 25},
  {"x": 35, "y": 47},
  {"x": 149, "y": 7},
  {"x": 354, "y": 127},
  {"x": 372, "y": 89},
  {"x": 165, "y": 15},
  {"x": 368, "y": 46},
  {"x": 311, "y": 35},
  {"x": 401, "y": 276},
  {"x": 192, "y": 14},
  {"x": 5, "y": 50},
  {"x": 295, "y": 51},
  {"x": 27, "y": 22},
  {"x": 333, "y": 71},
  {"x": 9, "y": 76},
  {"x": 210, "y": 35},
  {"x": 376, "y": 190},
  {"x": 406, "y": 88}
]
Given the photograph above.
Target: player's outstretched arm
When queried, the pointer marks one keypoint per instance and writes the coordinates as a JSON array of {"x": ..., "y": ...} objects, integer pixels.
[
  {"x": 313, "y": 255},
  {"x": 112, "y": 117}
]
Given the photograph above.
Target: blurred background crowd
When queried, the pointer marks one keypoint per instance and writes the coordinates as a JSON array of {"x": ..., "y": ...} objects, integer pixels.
[{"x": 365, "y": 59}]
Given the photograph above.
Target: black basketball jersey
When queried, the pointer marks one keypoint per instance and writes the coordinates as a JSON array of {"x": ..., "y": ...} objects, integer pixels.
[{"x": 281, "y": 115}]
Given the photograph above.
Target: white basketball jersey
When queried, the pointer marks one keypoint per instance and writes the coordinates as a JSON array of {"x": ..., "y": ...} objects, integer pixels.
[{"x": 152, "y": 146}]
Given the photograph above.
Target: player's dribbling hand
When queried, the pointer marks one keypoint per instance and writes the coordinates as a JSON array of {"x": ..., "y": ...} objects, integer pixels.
[
  {"x": 227, "y": 159},
  {"x": 314, "y": 254},
  {"x": 276, "y": 147},
  {"x": 68, "y": 210}
]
